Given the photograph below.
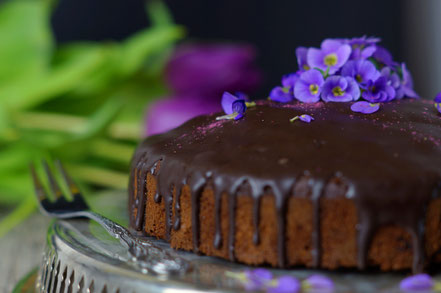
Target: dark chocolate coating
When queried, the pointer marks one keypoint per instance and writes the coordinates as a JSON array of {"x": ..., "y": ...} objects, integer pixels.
[{"x": 389, "y": 161}]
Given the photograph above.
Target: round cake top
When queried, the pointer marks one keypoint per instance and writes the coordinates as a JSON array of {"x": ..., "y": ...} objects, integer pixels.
[{"x": 389, "y": 152}]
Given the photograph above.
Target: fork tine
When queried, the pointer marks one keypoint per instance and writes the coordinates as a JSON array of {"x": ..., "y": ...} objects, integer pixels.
[
  {"x": 39, "y": 189},
  {"x": 72, "y": 186},
  {"x": 52, "y": 182}
]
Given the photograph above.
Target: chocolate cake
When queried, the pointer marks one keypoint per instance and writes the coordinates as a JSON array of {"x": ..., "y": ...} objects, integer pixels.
[{"x": 346, "y": 190}]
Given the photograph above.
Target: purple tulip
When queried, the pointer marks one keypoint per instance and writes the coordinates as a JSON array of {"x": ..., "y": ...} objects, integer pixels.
[
  {"x": 417, "y": 283},
  {"x": 166, "y": 114},
  {"x": 281, "y": 94},
  {"x": 309, "y": 86},
  {"x": 209, "y": 70},
  {"x": 360, "y": 70},
  {"x": 407, "y": 83},
  {"x": 379, "y": 90},
  {"x": 285, "y": 284},
  {"x": 333, "y": 55},
  {"x": 365, "y": 107},
  {"x": 340, "y": 89}
]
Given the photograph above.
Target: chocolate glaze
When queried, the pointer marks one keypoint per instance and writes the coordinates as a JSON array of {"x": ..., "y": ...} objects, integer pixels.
[{"x": 388, "y": 162}]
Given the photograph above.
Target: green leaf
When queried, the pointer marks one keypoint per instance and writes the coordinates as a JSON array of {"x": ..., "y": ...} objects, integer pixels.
[
  {"x": 146, "y": 44},
  {"x": 158, "y": 13},
  {"x": 24, "y": 210},
  {"x": 60, "y": 80},
  {"x": 26, "y": 42}
]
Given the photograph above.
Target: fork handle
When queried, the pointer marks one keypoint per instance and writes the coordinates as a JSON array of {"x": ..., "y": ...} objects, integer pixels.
[{"x": 143, "y": 253}]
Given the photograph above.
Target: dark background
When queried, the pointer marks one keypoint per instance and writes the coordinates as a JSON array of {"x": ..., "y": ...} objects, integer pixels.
[{"x": 274, "y": 27}]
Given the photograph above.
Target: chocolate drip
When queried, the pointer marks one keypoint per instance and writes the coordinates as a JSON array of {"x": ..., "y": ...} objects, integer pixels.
[{"x": 390, "y": 159}]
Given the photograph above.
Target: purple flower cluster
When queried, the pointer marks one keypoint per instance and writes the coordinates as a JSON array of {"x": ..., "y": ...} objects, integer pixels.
[
  {"x": 345, "y": 70},
  {"x": 438, "y": 102},
  {"x": 263, "y": 280}
]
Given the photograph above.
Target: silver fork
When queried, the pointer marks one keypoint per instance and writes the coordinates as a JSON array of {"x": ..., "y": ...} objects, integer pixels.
[{"x": 144, "y": 255}]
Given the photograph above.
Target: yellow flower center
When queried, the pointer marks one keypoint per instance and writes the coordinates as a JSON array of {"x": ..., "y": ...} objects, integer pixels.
[
  {"x": 331, "y": 59},
  {"x": 306, "y": 67},
  {"x": 338, "y": 92},
  {"x": 358, "y": 78},
  {"x": 313, "y": 88}
]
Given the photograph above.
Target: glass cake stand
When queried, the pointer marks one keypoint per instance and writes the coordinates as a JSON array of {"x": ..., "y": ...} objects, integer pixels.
[{"x": 81, "y": 257}]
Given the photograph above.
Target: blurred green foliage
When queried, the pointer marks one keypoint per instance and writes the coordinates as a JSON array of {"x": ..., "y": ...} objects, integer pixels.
[{"x": 82, "y": 103}]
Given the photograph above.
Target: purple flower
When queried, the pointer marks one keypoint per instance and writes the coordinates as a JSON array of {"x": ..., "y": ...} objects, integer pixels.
[
  {"x": 421, "y": 282},
  {"x": 233, "y": 106},
  {"x": 309, "y": 86},
  {"x": 365, "y": 107},
  {"x": 379, "y": 90},
  {"x": 362, "y": 48},
  {"x": 340, "y": 89},
  {"x": 438, "y": 102},
  {"x": 281, "y": 94},
  {"x": 289, "y": 80},
  {"x": 383, "y": 56},
  {"x": 257, "y": 279},
  {"x": 360, "y": 70},
  {"x": 285, "y": 284},
  {"x": 317, "y": 283},
  {"x": 166, "y": 114},
  {"x": 302, "y": 61},
  {"x": 333, "y": 55},
  {"x": 394, "y": 80},
  {"x": 407, "y": 83},
  {"x": 211, "y": 69},
  {"x": 304, "y": 117}
]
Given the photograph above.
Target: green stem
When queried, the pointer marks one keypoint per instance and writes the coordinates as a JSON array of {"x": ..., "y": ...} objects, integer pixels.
[
  {"x": 99, "y": 176},
  {"x": 72, "y": 124},
  {"x": 18, "y": 215},
  {"x": 115, "y": 151}
]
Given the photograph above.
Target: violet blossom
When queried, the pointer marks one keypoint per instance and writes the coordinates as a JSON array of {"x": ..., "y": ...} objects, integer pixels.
[
  {"x": 407, "y": 83},
  {"x": 318, "y": 284},
  {"x": 438, "y": 102},
  {"x": 304, "y": 117},
  {"x": 302, "y": 61},
  {"x": 233, "y": 107},
  {"x": 281, "y": 94},
  {"x": 365, "y": 107},
  {"x": 394, "y": 80},
  {"x": 379, "y": 90},
  {"x": 284, "y": 284},
  {"x": 363, "y": 47},
  {"x": 361, "y": 70},
  {"x": 308, "y": 87},
  {"x": 340, "y": 89},
  {"x": 257, "y": 279},
  {"x": 384, "y": 57},
  {"x": 417, "y": 283},
  {"x": 332, "y": 55}
]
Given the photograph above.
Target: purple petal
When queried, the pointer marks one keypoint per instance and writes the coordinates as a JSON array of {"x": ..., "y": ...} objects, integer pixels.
[
  {"x": 421, "y": 282},
  {"x": 315, "y": 58},
  {"x": 227, "y": 102},
  {"x": 343, "y": 54},
  {"x": 304, "y": 117},
  {"x": 286, "y": 284},
  {"x": 308, "y": 87},
  {"x": 330, "y": 45},
  {"x": 346, "y": 87},
  {"x": 239, "y": 107},
  {"x": 383, "y": 56},
  {"x": 281, "y": 95},
  {"x": 318, "y": 283},
  {"x": 301, "y": 54},
  {"x": 365, "y": 107},
  {"x": 257, "y": 279},
  {"x": 166, "y": 114},
  {"x": 289, "y": 80}
]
